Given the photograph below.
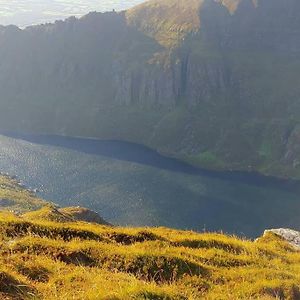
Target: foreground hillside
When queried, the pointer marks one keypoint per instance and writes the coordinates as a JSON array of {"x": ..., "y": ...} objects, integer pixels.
[
  {"x": 51, "y": 260},
  {"x": 47, "y": 254}
]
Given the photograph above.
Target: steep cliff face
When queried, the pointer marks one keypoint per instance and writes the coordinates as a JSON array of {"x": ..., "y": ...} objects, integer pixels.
[{"x": 213, "y": 82}]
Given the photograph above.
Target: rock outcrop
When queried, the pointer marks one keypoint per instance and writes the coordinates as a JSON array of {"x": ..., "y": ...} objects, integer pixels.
[{"x": 291, "y": 236}]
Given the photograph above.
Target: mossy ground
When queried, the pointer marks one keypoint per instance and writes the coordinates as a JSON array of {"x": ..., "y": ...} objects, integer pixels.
[
  {"x": 15, "y": 197},
  {"x": 49, "y": 260},
  {"x": 44, "y": 256}
]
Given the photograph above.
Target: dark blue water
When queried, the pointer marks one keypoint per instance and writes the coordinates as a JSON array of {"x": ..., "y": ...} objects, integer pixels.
[
  {"x": 129, "y": 184},
  {"x": 132, "y": 152}
]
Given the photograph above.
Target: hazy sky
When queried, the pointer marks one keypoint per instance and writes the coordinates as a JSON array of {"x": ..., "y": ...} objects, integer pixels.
[{"x": 28, "y": 12}]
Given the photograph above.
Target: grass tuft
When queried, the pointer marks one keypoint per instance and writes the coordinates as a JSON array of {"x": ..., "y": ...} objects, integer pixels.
[{"x": 46, "y": 256}]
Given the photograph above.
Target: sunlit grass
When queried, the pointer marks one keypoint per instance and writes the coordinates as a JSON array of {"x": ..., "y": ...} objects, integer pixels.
[
  {"x": 45, "y": 254},
  {"x": 75, "y": 260}
]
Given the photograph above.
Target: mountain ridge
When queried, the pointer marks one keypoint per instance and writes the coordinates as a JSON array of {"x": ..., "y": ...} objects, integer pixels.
[
  {"x": 222, "y": 97},
  {"x": 159, "y": 19}
]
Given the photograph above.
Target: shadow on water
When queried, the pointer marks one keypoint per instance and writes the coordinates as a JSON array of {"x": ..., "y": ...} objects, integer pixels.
[{"x": 132, "y": 152}]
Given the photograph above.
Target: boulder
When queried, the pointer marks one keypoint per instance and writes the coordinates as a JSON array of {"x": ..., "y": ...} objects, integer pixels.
[{"x": 291, "y": 236}]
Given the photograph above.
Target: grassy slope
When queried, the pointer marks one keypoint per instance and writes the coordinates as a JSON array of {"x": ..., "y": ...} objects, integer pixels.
[
  {"x": 74, "y": 260},
  {"x": 168, "y": 21},
  {"x": 14, "y": 197},
  {"x": 42, "y": 259}
]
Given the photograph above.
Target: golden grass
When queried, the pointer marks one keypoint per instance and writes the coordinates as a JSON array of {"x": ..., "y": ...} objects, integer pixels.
[
  {"x": 43, "y": 256},
  {"x": 49, "y": 260},
  {"x": 49, "y": 213}
]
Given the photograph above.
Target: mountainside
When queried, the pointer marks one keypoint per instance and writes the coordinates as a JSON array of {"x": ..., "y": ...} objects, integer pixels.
[
  {"x": 46, "y": 255},
  {"x": 213, "y": 82}
]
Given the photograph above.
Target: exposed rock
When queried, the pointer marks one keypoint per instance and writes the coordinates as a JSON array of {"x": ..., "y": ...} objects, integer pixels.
[{"x": 291, "y": 236}]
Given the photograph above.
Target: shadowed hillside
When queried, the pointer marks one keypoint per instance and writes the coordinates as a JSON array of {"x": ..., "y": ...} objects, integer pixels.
[{"x": 211, "y": 82}]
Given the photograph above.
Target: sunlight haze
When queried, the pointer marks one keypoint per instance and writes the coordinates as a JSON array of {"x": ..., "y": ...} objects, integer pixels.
[
  {"x": 149, "y": 149},
  {"x": 30, "y": 12}
]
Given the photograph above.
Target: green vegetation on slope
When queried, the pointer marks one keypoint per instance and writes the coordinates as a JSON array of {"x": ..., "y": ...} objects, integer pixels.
[
  {"x": 64, "y": 215},
  {"x": 44, "y": 256},
  {"x": 49, "y": 260},
  {"x": 166, "y": 21},
  {"x": 15, "y": 197}
]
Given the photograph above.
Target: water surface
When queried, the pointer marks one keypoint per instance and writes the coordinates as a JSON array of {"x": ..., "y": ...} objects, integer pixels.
[{"x": 130, "y": 184}]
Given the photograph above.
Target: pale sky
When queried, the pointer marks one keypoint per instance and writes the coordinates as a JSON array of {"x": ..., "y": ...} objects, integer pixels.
[{"x": 29, "y": 12}]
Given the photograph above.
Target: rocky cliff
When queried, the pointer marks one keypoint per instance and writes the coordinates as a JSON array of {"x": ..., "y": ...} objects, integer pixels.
[{"x": 212, "y": 82}]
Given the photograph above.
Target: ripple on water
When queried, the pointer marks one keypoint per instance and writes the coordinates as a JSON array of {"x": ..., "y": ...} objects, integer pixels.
[{"x": 131, "y": 184}]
